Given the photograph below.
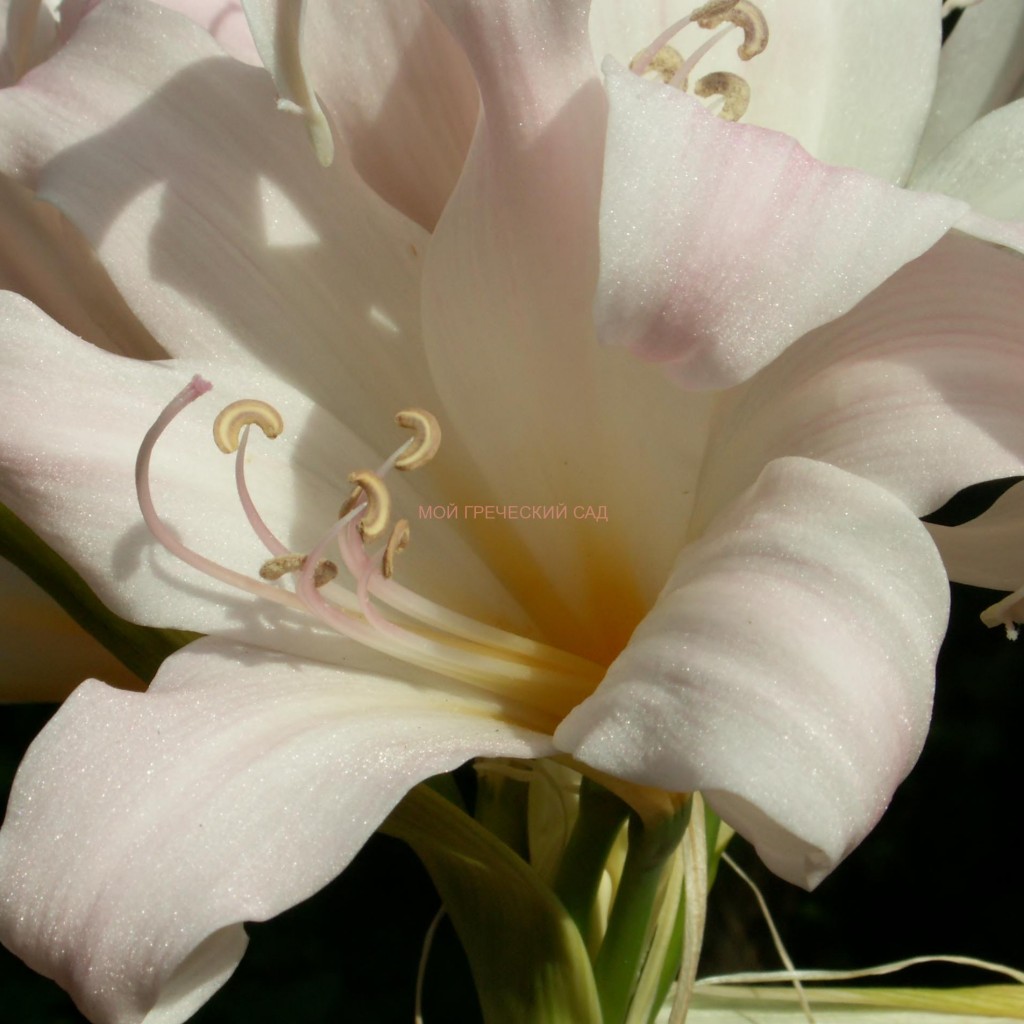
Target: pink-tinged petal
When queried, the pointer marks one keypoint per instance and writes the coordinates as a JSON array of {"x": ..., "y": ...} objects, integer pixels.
[
  {"x": 396, "y": 88},
  {"x": 224, "y": 20},
  {"x": 918, "y": 388},
  {"x": 74, "y": 419},
  {"x": 988, "y": 551},
  {"x": 786, "y": 671},
  {"x": 43, "y": 257},
  {"x": 143, "y": 829},
  {"x": 214, "y": 219},
  {"x": 722, "y": 243},
  {"x": 981, "y": 66},
  {"x": 851, "y": 82},
  {"x": 45, "y": 654},
  {"x": 983, "y": 166}
]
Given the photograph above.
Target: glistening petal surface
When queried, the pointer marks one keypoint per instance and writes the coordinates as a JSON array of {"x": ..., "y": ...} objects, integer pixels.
[
  {"x": 980, "y": 68},
  {"x": 918, "y": 388},
  {"x": 236, "y": 787},
  {"x": 215, "y": 221},
  {"x": 723, "y": 243},
  {"x": 787, "y": 669}
]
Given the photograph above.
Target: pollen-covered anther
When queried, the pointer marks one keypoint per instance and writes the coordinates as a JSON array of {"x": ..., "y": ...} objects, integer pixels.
[
  {"x": 275, "y": 568},
  {"x": 398, "y": 541},
  {"x": 378, "y": 505},
  {"x": 733, "y": 89},
  {"x": 426, "y": 438},
  {"x": 227, "y": 427},
  {"x": 747, "y": 16},
  {"x": 665, "y": 65}
]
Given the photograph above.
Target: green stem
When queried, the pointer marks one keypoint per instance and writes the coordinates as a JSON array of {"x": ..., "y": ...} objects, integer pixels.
[
  {"x": 501, "y": 807},
  {"x": 622, "y": 953},
  {"x": 141, "y": 648},
  {"x": 600, "y": 818},
  {"x": 526, "y": 955}
]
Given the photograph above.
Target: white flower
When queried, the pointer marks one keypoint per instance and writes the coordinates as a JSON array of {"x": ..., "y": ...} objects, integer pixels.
[{"x": 757, "y": 617}]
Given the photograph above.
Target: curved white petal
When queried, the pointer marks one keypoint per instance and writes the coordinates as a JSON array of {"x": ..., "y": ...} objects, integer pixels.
[
  {"x": 549, "y": 418},
  {"x": 45, "y": 654},
  {"x": 224, "y": 20},
  {"x": 984, "y": 167},
  {"x": 723, "y": 243},
  {"x": 852, "y": 82},
  {"x": 396, "y": 88},
  {"x": 787, "y": 669},
  {"x": 987, "y": 551},
  {"x": 44, "y": 258},
  {"x": 918, "y": 388},
  {"x": 74, "y": 419},
  {"x": 214, "y": 219},
  {"x": 239, "y": 785},
  {"x": 981, "y": 65}
]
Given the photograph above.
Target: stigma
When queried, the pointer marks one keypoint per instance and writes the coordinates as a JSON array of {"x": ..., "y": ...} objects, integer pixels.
[
  {"x": 667, "y": 63},
  {"x": 346, "y": 582}
]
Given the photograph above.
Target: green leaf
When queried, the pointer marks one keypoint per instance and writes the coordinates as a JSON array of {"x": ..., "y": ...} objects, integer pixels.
[
  {"x": 141, "y": 648},
  {"x": 527, "y": 957},
  {"x": 722, "y": 1004}
]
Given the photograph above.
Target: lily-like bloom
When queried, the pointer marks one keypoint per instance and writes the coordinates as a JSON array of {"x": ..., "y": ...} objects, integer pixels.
[{"x": 725, "y": 590}]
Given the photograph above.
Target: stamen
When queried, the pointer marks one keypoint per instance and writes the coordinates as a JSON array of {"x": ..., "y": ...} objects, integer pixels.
[
  {"x": 193, "y": 390},
  {"x": 666, "y": 64},
  {"x": 642, "y": 62},
  {"x": 259, "y": 527},
  {"x": 227, "y": 427},
  {"x": 275, "y": 568},
  {"x": 537, "y": 676},
  {"x": 679, "y": 79},
  {"x": 398, "y": 541},
  {"x": 744, "y": 14},
  {"x": 378, "y": 501},
  {"x": 426, "y": 439},
  {"x": 732, "y": 88}
]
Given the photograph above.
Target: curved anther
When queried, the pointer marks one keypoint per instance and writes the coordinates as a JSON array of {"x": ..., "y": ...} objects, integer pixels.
[
  {"x": 747, "y": 16},
  {"x": 378, "y": 504},
  {"x": 398, "y": 541},
  {"x": 275, "y": 568},
  {"x": 665, "y": 64},
  {"x": 733, "y": 89},
  {"x": 426, "y": 438},
  {"x": 227, "y": 427}
]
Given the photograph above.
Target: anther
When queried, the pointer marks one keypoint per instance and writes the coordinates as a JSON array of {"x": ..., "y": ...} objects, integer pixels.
[
  {"x": 378, "y": 501},
  {"x": 227, "y": 427},
  {"x": 733, "y": 89},
  {"x": 742, "y": 13},
  {"x": 275, "y": 568},
  {"x": 665, "y": 64},
  {"x": 398, "y": 541},
  {"x": 426, "y": 438}
]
